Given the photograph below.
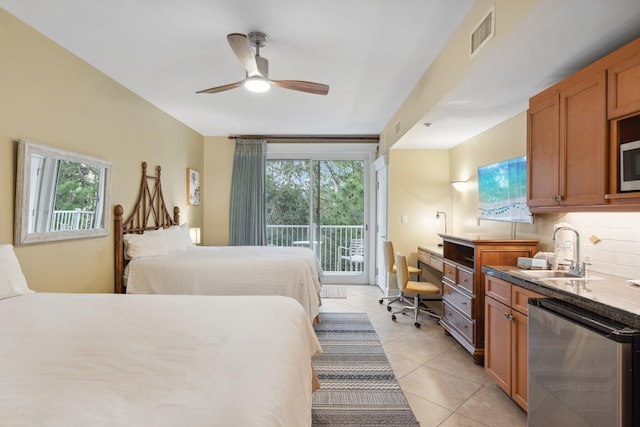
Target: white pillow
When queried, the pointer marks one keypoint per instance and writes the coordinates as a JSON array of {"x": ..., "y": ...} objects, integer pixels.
[
  {"x": 185, "y": 235},
  {"x": 151, "y": 243},
  {"x": 174, "y": 239},
  {"x": 12, "y": 280}
]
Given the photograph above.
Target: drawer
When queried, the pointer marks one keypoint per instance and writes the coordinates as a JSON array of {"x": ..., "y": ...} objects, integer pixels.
[
  {"x": 435, "y": 262},
  {"x": 463, "y": 325},
  {"x": 457, "y": 299},
  {"x": 465, "y": 279},
  {"x": 424, "y": 256},
  {"x": 520, "y": 298},
  {"x": 498, "y": 289},
  {"x": 449, "y": 271}
]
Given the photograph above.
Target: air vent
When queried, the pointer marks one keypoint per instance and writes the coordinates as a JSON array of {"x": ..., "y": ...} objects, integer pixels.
[{"x": 483, "y": 32}]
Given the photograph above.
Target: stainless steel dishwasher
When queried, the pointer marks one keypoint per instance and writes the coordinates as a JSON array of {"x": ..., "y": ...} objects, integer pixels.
[{"x": 583, "y": 368}]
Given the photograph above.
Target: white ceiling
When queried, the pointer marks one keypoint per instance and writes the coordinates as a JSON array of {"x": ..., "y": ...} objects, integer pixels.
[{"x": 370, "y": 52}]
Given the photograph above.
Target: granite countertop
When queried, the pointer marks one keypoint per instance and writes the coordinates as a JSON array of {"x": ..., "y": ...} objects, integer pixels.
[{"x": 610, "y": 296}]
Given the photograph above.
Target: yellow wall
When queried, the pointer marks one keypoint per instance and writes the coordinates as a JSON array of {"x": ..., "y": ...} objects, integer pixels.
[
  {"x": 218, "y": 158},
  {"x": 419, "y": 184},
  {"x": 51, "y": 97},
  {"x": 504, "y": 141},
  {"x": 418, "y": 187}
]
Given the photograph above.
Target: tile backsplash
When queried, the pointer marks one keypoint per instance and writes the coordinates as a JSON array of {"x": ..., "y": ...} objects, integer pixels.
[{"x": 618, "y": 251}]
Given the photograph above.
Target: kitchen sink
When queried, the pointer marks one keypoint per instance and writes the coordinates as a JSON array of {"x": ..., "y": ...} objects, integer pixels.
[
  {"x": 552, "y": 275},
  {"x": 549, "y": 274}
]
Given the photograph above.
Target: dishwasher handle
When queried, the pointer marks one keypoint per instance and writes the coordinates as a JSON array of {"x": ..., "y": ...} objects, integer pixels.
[{"x": 609, "y": 328}]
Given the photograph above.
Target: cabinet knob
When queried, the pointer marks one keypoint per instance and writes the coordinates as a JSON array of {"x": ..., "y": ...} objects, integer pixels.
[{"x": 508, "y": 316}]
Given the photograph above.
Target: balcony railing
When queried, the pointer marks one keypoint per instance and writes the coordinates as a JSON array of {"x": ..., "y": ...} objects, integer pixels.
[
  {"x": 72, "y": 220},
  {"x": 336, "y": 246}
]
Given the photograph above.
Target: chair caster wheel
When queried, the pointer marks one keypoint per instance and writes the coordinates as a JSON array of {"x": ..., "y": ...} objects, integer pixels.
[
  {"x": 388, "y": 308},
  {"x": 380, "y": 300},
  {"x": 393, "y": 317},
  {"x": 417, "y": 324}
]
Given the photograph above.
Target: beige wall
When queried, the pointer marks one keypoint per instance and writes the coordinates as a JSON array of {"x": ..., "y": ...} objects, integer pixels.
[
  {"x": 418, "y": 187},
  {"x": 51, "y": 97},
  {"x": 218, "y": 159},
  {"x": 453, "y": 64}
]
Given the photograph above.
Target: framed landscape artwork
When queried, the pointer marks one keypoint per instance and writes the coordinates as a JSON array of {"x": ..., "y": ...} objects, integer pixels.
[{"x": 193, "y": 187}]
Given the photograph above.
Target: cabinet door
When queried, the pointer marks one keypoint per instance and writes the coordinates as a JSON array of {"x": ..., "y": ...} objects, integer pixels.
[
  {"x": 519, "y": 364},
  {"x": 497, "y": 350},
  {"x": 583, "y": 141},
  {"x": 543, "y": 149},
  {"x": 624, "y": 87}
]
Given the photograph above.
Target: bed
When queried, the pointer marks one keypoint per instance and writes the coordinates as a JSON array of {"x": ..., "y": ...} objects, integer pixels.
[
  {"x": 161, "y": 360},
  {"x": 144, "y": 265}
]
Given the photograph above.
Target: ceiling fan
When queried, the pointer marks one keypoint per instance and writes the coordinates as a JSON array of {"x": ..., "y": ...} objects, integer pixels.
[{"x": 257, "y": 68}]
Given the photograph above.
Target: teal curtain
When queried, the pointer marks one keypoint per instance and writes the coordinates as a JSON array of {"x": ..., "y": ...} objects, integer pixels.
[{"x": 247, "y": 221}]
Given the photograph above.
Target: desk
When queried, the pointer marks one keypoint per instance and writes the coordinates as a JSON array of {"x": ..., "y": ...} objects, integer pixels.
[
  {"x": 430, "y": 262},
  {"x": 430, "y": 255}
]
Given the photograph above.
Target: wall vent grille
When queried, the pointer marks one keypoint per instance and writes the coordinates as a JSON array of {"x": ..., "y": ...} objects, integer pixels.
[{"x": 483, "y": 32}]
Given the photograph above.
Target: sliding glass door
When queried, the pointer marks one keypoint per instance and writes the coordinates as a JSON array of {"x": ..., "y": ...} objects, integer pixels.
[{"x": 321, "y": 204}]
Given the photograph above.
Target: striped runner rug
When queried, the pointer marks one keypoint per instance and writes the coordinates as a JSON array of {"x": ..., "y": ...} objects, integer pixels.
[{"x": 357, "y": 384}]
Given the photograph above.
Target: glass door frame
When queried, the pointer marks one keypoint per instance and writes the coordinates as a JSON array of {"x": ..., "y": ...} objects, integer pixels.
[{"x": 341, "y": 151}]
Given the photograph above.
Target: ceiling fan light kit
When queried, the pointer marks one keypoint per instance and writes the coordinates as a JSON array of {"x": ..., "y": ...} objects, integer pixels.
[
  {"x": 257, "y": 68},
  {"x": 256, "y": 84}
]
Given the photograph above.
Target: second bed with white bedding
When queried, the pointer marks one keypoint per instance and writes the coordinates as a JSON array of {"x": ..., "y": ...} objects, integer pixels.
[{"x": 231, "y": 270}]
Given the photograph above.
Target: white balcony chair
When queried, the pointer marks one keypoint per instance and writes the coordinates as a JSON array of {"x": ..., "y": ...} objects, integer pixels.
[{"x": 354, "y": 254}]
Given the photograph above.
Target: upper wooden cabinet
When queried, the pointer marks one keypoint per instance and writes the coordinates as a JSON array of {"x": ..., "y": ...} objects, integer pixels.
[
  {"x": 567, "y": 144},
  {"x": 574, "y": 132},
  {"x": 624, "y": 84}
]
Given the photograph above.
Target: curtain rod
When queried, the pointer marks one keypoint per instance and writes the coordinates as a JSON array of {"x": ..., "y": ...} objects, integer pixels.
[{"x": 301, "y": 138}]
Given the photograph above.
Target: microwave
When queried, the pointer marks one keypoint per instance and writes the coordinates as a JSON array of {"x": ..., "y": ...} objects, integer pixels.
[{"x": 630, "y": 166}]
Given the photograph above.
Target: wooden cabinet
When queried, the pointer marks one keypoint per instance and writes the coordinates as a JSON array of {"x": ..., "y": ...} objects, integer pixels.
[
  {"x": 567, "y": 144},
  {"x": 463, "y": 301},
  {"x": 624, "y": 83},
  {"x": 506, "y": 336},
  {"x": 574, "y": 132}
]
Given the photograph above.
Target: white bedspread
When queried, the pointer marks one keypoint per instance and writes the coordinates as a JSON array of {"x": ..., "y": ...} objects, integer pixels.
[
  {"x": 231, "y": 270},
  {"x": 154, "y": 360}
]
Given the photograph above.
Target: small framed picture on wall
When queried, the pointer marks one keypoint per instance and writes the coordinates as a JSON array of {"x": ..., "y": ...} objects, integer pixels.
[{"x": 193, "y": 187}]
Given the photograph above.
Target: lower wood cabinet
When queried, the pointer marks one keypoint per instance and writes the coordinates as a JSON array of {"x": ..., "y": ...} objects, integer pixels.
[
  {"x": 506, "y": 311},
  {"x": 463, "y": 280}
]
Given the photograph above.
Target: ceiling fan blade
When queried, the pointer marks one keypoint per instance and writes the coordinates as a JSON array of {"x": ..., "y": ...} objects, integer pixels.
[
  {"x": 302, "y": 86},
  {"x": 240, "y": 45},
  {"x": 222, "y": 88}
]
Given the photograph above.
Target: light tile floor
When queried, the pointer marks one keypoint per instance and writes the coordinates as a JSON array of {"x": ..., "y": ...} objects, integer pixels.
[{"x": 438, "y": 377}]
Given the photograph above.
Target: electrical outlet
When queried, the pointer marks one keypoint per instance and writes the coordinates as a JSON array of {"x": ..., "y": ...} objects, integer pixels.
[{"x": 404, "y": 219}]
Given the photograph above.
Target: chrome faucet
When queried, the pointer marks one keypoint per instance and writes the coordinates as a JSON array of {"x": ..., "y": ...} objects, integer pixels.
[{"x": 575, "y": 267}]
